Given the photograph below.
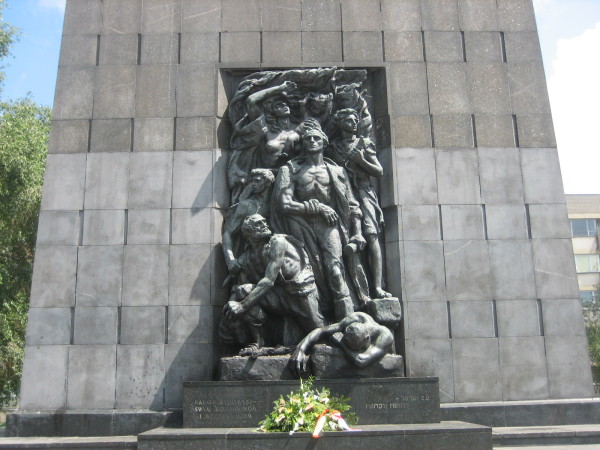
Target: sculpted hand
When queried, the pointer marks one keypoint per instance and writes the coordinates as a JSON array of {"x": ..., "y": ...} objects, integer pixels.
[
  {"x": 299, "y": 362},
  {"x": 329, "y": 214},
  {"x": 234, "y": 266},
  {"x": 359, "y": 241},
  {"x": 289, "y": 86},
  {"x": 355, "y": 155},
  {"x": 233, "y": 309}
]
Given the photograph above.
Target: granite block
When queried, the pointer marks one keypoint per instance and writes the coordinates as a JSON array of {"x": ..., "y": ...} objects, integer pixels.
[
  {"x": 74, "y": 93},
  {"x": 408, "y": 88},
  {"x": 186, "y": 362},
  {"x": 240, "y": 47},
  {"x": 549, "y": 221},
  {"x": 500, "y": 175},
  {"x": 69, "y": 136},
  {"x": 321, "y": 15},
  {"x": 569, "y": 374},
  {"x": 150, "y": 180},
  {"x": 145, "y": 275},
  {"x": 494, "y": 130},
  {"x": 361, "y": 15},
  {"x": 78, "y": 50},
  {"x": 201, "y": 16},
  {"x": 448, "y": 88},
  {"x": 472, "y": 319},
  {"x": 118, "y": 49},
  {"x": 95, "y": 325},
  {"x": 403, "y": 46},
  {"x": 476, "y": 370},
  {"x": 424, "y": 271},
  {"x": 103, "y": 227},
  {"x": 159, "y": 48},
  {"x": 49, "y": 326},
  {"x": 522, "y": 46},
  {"x": 192, "y": 179},
  {"x": 536, "y": 131},
  {"x": 412, "y": 131},
  {"x": 155, "y": 91},
  {"x": 44, "y": 377},
  {"x": 394, "y": 257},
  {"x": 563, "y": 317},
  {"x": 401, "y": 15},
  {"x": 106, "y": 179},
  {"x": 393, "y": 224},
  {"x": 240, "y": 15},
  {"x": 363, "y": 46},
  {"x": 53, "y": 283},
  {"x": 518, "y": 318},
  {"x": 439, "y": 15},
  {"x": 194, "y": 133},
  {"x": 421, "y": 223},
  {"x": 83, "y": 17},
  {"x": 161, "y": 16},
  {"x": 541, "y": 176},
  {"x": 190, "y": 271},
  {"x": 523, "y": 363},
  {"x": 140, "y": 376},
  {"x": 91, "y": 375},
  {"x": 466, "y": 261},
  {"x": 483, "y": 46},
  {"x": 488, "y": 88},
  {"x": 192, "y": 324},
  {"x": 432, "y": 357},
  {"x": 281, "y": 15},
  {"x": 153, "y": 329},
  {"x": 153, "y": 135},
  {"x": 148, "y": 226},
  {"x": 416, "y": 176},
  {"x": 321, "y": 46},
  {"x": 119, "y": 17},
  {"x": 452, "y": 130},
  {"x": 457, "y": 177},
  {"x": 99, "y": 275},
  {"x": 506, "y": 221},
  {"x": 110, "y": 135},
  {"x": 528, "y": 91},
  {"x": 192, "y": 226},
  {"x": 114, "y": 92},
  {"x": 554, "y": 268},
  {"x": 58, "y": 228},
  {"x": 443, "y": 46},
  {"x": 426, "y": 320},
  {"x": 512, "y": 270},
  {"x": 478, "y": 15},
  {"x": 516, "y": 15},
  {"x": 196, "y": 90},
  {"x": 199, "y": 48},
  {"x": 63, "y": 182},
  {"x": 462, "y": 222}
]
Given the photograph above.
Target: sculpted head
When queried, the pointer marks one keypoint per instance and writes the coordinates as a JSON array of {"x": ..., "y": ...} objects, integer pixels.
[
  {"x": 346, "y": 119},
  {"x": 277, "y": 107},
  {"x": 357, "y": 337},
  {"x": 319, "y": 103},
  {"x": 255, "y": 227},
  {"x": 260, "y": 179},
  {"x": 314, "y": 140}
]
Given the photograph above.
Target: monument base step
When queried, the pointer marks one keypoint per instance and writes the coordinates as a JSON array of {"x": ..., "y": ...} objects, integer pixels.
[
  {"x": 444, "y": 435},
  {"x": 546, "y": 436},
  {"x": 98, "y": 443}
]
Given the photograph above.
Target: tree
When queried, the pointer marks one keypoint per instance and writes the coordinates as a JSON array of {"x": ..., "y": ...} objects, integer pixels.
[{"x": 8, "y": 35}]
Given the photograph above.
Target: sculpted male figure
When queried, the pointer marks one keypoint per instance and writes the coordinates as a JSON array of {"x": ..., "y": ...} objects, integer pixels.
[
  {"x": 317, "y": 207},
  {"x": 283, "y": 281}
]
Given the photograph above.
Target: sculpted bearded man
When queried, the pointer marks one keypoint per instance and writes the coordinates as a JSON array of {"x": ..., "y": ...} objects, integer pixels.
[{"x": 313, "y": 201}]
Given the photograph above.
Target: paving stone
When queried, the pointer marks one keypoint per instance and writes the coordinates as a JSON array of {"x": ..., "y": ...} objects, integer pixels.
[
  {"x": 452, "y": 130},
  {"x": 153, "y": 135},
  {"x": 428, "y": 320},
  {"x": 554, "y": 268},
  {"x": 488, "y": 88},
  {"x": 192, "y": 226},
  {"x": 83, "y": 17},
  {"x": 412, "y": 131},
  {"x": 523, "y": 366},
  {"x": 495, "y": 130},
  {"x": 159, "y": 48},
  {"x": 528, "y": 91},
  {"x": 518, "y": 318},
  {"x": 426, "y": 357},
  {"x": 506, "y": 221},
  {"x": 63, "y": 182},
  {"x": 500, "y": 175},
  {"x": 155, "y": 91},
  {"x": 53, "y": 283},
  {"x": 281, "y": 15},
  {"x": 44, "y": 375},
  {"x": 97, "y": 325},
  {"x": 91, "y": 375},
  {"x": 536, "y": 131},
  {"x": 153, "y": 329},
  {"x": 106, "y": 179},
  {"x": 408, "y": 88},
  {"x": 145, "y": 275},
  {"x": 186, "y": 362},
  {"x": 322, "y": 46},
  {"x": 448, "y": 88},
  {"x": 58, "y": 228},
  {"x": 161, "y": 16},
  {"x": 321, "y": 15},
  {"x": 48, "y": 326},
  {"x": 192, "y": 179},
  {"x": 467, "y": 261},
  {"x": 201, "y": 16},
  {"x": 103, "y": 227},
  {"x": 478, "y": 15},
  {"x": 476, "y": 370},
  {"x": 362, "y": 46},
  {"x": 118, "y": 49},
  {"x": 462, "y": 222},
  {"x": 516, "y": 15},
  {"x": 199, "y": 48},
  {"x": 238, "y": 47},
  {"x": 549, "y": 221},
  {"x": 563, "y": 317},
  {"x": 443, "y": 46},
  {"x": 148, "y": 226},
  {"x": 541, "y": 176},
  {"x": 512, "y": 270},
  {"x": 69, "y": 136},
  {"x": 416, "y": 177},
  {"x": 192, "y": 324},
  {"x": 483, "y": 46},
  {"x": 114, "y": 92},
  {"x": 195, "y": 90},
  {"x": 457, "y": 177},
  {"x": 424, "y": 271},
  {"x": 403, "y": 46},
  {"x": 421, "y": 223},
  {"x": 569, "y": 375},
  {"x": 78, "y": 50},
  {"x": 150, "y": 180},
  {"x": 74, "y": 95},
  {"x": 190, "y": 274},
  {"x": 99, "y": 275},
  {"x": 401, "y": 15},
  {"x": 120, "y": 17},
  {"x": 522, "y": 46},
  {"x": 472, "y": 319},
  {"x": 140, "y": 376},
  {"x": 439, "y": 15},
  {"x": 110, "y": 135}
]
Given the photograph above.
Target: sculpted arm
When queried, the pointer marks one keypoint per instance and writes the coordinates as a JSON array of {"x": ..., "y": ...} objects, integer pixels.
[
  {"x": 253, "y": 101},
  {"x": 232, "y": 225}
]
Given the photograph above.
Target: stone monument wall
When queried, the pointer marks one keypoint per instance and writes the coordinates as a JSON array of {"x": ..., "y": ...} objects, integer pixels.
[{"x": 128, "y": 270}]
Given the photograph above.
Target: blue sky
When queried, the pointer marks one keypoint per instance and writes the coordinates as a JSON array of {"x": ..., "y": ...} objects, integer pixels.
[{"x": 569, "y": 35}]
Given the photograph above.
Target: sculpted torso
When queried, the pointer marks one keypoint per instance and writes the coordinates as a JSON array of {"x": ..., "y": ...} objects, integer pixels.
[
  {"x": 277, "y": 144},
  {"x": 313, "y": 182}
]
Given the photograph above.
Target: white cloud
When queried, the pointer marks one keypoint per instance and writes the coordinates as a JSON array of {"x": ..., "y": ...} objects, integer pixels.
[
  {"x": 57, "y": 4},
  {"x": 574, "y": 89}
]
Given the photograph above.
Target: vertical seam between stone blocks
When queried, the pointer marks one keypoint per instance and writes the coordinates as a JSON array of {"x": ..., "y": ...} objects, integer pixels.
[
  {"x": 174, "y": 134},
  {"x": 441, "y": 224},
  {"x": 462, "y": 45},
  {"x": 541, "y": 318},
  {"x": 449, "y": 319},
  {"x": 178, "y": 48},
  {"x": 473, "y": 131},
  {"x": 503, "y": 46},
  {"x": 260, "y": 47},
  {"x": 484, "y": 218},
  {"x": 119, "y": 319},
  {"x": 166, "y": 325},
  {"x": 131, "y": 131},
  {"x": 515, "y": 127},
  {"x": 125, "y": 226},
  {"x": 97, "y": 50},
  {"x": 139, "y": 49},
  {"x": 72, "y": 333},
  {"x": 220, "y": 43},
  {"x": 89, "y": 137},
  {"x": 382, "y": 45},
  {"x": 495, "y": 318},
  {"x": 528, "y": 221}
]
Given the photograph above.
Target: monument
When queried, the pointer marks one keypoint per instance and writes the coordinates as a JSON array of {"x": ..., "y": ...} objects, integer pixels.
[{"x": 256, "y": 179}]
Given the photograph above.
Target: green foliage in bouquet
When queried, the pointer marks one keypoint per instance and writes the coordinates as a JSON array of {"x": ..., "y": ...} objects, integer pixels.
[{"x": 302, "y": 409}]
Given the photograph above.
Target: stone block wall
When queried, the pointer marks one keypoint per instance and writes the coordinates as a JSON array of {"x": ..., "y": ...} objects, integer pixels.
[{"x": 128, "y": 270}]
